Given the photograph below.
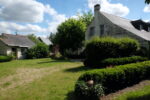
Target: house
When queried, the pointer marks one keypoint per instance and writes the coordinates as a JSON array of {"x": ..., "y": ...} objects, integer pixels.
[
  {"x": 14, "y": 44},
  {"x": 105, "y": 24},
  {"x": 45, "y": 40}
]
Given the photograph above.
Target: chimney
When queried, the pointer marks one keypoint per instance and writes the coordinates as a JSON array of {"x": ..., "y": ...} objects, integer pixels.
[{"x": 97, "y": 7}]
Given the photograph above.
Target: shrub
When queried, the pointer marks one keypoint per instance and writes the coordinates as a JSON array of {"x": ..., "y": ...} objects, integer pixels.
[
  {"x": 85, "y": 92},
  {"x": 122, "y": 61},
  {"x": 39, "y": 51},
  {"x": 5, "y": 58},
  {"x": 99, "y": 49},
  {"x": 113, "y": 79}
]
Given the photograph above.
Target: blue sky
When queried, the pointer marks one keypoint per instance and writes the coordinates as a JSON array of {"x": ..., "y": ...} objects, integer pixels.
[{"x": 41, "y": 17}]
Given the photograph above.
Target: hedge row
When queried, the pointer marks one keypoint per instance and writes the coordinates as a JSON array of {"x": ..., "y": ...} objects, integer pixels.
[
  {"x": 113, "y": 79},
  {"x": 5, "y": 58},
  {"x": 99, "y": 49},
  {"x": 122, "y": 61}
]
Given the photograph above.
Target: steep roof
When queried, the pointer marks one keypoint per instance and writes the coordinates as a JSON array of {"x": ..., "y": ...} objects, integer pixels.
[
  {"x": 45, "y": 40},
  {"x": 127, "y": 25},
  {"x": 16, "y": 40}
]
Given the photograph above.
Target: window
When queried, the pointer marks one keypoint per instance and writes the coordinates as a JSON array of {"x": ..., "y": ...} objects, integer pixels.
[
  {"x": 102, "y": 29},
  {"x": 141, "y": 27},
  {"x": 92, "y": 31}
]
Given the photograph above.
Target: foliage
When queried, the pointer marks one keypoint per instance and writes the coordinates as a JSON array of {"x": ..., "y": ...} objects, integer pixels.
[
  {"x": 99, "y": 49},
  {"x": 41, "y": 50},
  {"x": 122, "y": 61},
  {"x": 147, "y": 1},
  {"x": 113, "y": 79},
  {"x": 52, "y": 38},
  {"x": 34, "y": 38},
  {"x": 84, "y": 92},
  {"x": 5, "y": 58},
  {"x": 70, "y": 35},
  {"x": 86, "y": 17}
]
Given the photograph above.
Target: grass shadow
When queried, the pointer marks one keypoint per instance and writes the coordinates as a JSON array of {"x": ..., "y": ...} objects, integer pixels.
[
  {"x": 54, "y": 61},
  {"x": 144, "y": 97},
  {"x": 78, "y": 69},
  {"x": 70, "y": 96}
]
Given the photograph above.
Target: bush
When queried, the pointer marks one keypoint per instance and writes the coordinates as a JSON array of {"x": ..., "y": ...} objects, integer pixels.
[
  {"x": 122, "y": 61},
  {"x": 39, "y": 51},
  {"x": 85, "y": 92},
  {"x": 107, "y": 47},
  {"x": 5, "y": 58},
  {"x": 113, "y": 79}
]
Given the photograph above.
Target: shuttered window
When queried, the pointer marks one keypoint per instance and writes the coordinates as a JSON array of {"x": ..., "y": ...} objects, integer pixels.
[
  {"x": 92, "y": 31},
  {"x": 102, "y": 29}
]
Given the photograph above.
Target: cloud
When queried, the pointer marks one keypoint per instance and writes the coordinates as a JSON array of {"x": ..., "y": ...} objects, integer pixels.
[
  {"x": 21, "y": 10},
  {"x": 56, "y": 18},
  {"x": 29, "y": 28},
  {"x": 28, "y": 11},
  {"x": 147, "y": 9},
  {"x": 116, "y": 9}
]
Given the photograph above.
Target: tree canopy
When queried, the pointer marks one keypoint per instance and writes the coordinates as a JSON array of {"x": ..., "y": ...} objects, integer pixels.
[
  {"x": 70, "y": 35},
  {"x": 86, "y": 17},
  {"x": 147, "y": 1}
]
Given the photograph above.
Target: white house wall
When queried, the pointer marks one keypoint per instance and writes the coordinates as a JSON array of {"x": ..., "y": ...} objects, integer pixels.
[
  {"x": 111, "y": 29},
  {"x": 4, "y": 49}
]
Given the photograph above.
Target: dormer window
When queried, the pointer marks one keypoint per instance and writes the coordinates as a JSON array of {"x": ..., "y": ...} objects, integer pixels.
[{"x": 141, "y": 27}]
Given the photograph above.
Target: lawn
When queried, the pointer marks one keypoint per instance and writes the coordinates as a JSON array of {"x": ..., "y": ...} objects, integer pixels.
[
  {"x": 39, "y": 79},
  {"x": 141, "y": 94},
  {"x": 46, "y": 79}
]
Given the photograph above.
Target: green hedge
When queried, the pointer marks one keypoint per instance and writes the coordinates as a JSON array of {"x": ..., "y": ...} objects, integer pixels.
[
  {"x": 99, "y": 49},
  {"x": 121, "y": 61},
  {"x": 5, "y": 58},
  {"x": 113, "y": 79}
]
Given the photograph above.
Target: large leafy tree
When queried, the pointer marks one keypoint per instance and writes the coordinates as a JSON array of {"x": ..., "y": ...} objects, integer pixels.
[
  {"x": 70, "y": 35},
  {"x": 147, "y": 1},
  {"x": 86, "y": 17}
]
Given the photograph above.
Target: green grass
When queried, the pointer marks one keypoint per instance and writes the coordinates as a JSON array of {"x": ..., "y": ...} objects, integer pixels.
[
  {"x": 142, "y": 94},
  {"x": 56, "y": 86}
]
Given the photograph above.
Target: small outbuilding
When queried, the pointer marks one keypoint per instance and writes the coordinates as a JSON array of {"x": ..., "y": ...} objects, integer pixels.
[{"x": 16, "y": 45}]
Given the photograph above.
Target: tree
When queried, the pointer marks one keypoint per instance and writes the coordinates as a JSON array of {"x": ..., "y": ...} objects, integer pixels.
[
  {"x": 86, "y": 17},
  {"x": 70, "y": 35},
  {"x": 52, "y": 38},
  {"x": 34, "y": 38},
  {"x": 147, "y": 1}
]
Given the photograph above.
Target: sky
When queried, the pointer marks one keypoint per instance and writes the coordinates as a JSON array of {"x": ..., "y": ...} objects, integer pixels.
[{"x": 42, "y": 17}]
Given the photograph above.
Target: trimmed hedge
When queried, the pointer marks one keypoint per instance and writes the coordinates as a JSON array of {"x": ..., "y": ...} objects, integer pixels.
[
  {"x": 122, "y": 61},
  {"x": 5, "y": 58},
  {"x": 99, "y": 49},
  {"x": 113, "y": 79}
]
